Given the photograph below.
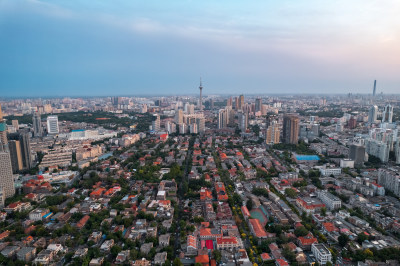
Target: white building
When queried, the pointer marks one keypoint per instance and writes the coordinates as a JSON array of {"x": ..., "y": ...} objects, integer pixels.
[
  {"x": 52, "y": 124},
  {"x": 346, "y": 163},
  {"x": 330, "y": 171},
  {"x": 321, "y": 253},
  {"x": 390, "y": 180},
  {"x": 331, "y": 201}
]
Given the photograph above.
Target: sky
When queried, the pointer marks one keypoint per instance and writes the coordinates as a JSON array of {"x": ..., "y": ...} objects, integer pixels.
[{"x": 128, "y": 47}]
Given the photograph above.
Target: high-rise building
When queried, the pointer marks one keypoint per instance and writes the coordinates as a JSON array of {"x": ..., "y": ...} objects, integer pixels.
[
  {"x": 15, "y": 155},
  {"x": 352, "y": 123},
  {"x": 290, "y": 129},
  {"x": 222, "y": 118},
  {"x": 15, "y": 124},
  {"x": 6, "y": 174},
  {"x": 200, "y": 121},
  {"x": 3, "y": 129},
  {"x": 241, "y": 102},
  {"x": 374, "y": 91},
  {"x": 373, "y": 114},
  {"x": 258, "y": 105},
  {"x": 273, "y": 133},
  {"x": 179, "y": 117},
  {"x": 390, "y": 180},
  {"x": 20, "y": 151},
  {"x": 156, "y": 124},
  {"x": 229, "y": 101},
  {"x": 236, "y": 103},
  {"x": 387, "y": 116},
  {"x": 242, "y": 121},
  {"x": 37, "y": 125},
  {"x": 52, "y": 124}
]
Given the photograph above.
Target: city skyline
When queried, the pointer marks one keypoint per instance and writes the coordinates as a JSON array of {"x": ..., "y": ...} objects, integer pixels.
[{"x": 58, "y": 48}]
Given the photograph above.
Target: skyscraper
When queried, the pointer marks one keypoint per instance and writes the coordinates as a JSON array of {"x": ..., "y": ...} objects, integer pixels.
[
  {"x": 201, "y": 99},
  {"x": 273, "y": 133},
  {"x": 3, "y": 129},
  {"x": 156, "y": 124},
  {"x": 242, "y": 121},
  {"x": 222, "y": 118},
  {"x": 37, "y": 125},
  {"x": 258, "y": 105},
  {"x": 179, "y": 117},
  {"x": 6, "y": 175},
  {"x": 229, "y": 101},
  {"x": 387, "y": 116},
  {"x": 52, "y": 124},
  {"x": 373, "y": 114},
  {"x": 357, "y": 153},
  {"x": 374, "y": 91},
  {"x": 291, "y": 129},
  {"x": 241, "y": 102},
  {"x": 20, "y": 152}
]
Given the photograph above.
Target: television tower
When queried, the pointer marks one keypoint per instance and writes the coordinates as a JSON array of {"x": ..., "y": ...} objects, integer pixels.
[{"x": 201, "y": 101}]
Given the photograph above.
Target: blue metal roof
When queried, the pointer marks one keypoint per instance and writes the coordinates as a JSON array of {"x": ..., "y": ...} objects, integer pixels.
[{"x": 307, "y": 157}]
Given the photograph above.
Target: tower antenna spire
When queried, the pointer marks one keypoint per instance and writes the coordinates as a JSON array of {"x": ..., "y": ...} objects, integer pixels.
[{"x": 201, "y": 100}]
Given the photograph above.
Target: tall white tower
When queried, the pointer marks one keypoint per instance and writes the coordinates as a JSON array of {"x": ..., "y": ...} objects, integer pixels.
[{"x": 201, "y": 99}]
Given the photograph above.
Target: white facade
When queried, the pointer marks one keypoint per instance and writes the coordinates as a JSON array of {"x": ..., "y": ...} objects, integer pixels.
[
  {"x": 330, "y": 200},
  {"x": 321, "y": 253},
  {"x": 52, "y": 124},
  {"x": 330, "y": 171},
  {"x": 346, "y": 163}
]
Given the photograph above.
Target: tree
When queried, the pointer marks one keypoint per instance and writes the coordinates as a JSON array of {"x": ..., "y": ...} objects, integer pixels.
[
  {"x": 323, "y": 211},
  {"x": 115, "y": 250},
  {"x": 291, "y": 193},
  {"x": 343, "y": 240},
  {"x": 361, "y": 237},
  {"x": 300, "y": 231},
  {"x": 249, "y": 204},
  {"x": 177, "y": 262},
  {"x": 217, "y": 255}
]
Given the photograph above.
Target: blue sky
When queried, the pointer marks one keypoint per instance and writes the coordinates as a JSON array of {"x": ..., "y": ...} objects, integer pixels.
[{"x": 57, "y": 48}]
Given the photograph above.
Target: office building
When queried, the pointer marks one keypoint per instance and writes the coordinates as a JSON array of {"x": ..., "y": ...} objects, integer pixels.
[
  {"x": 258, "y": 105},
  {"x": 357, "y": 154},
  {"x": 373, "y": 114},
  {"x": 290, "y": 129},
  {"x": 37, "y": 125},
  {"x": 3, "y": 129},
  {"x": 52, "y": 125},
  {"x": 6, "y": 174},
  {"x": 20, "y": 153},
  {"x": 241, "y": 102}
]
